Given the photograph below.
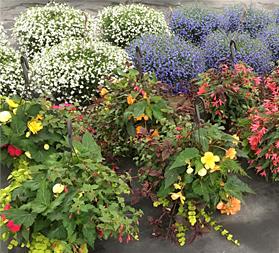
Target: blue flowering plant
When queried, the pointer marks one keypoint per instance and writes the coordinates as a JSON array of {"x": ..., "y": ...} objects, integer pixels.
[
  {"x": 173, "y": 60},
  {"x": 194, "y": 23},
  {"x": 245, "y": 19},
  {"x": 270, "y": 36},
  {"x": 253, "y": 52}
]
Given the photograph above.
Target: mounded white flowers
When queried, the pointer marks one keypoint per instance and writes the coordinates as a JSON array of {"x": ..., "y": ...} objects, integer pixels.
[
  {"x": 58, "y": 188},
  {"x": 40, "y": 27},
  {"x": 72, "y": 70},
  {"x": 11, "y": 78},
  {"x": 122, "y": 23}
]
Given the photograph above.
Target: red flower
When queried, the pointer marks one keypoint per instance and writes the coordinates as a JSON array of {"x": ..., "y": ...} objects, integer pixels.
[
  {"x": 13, "y": 227},
  {"x": 13, "y": 151},
  {"x": 7, "y": 207},
  {"x": 203, "y": 89}
]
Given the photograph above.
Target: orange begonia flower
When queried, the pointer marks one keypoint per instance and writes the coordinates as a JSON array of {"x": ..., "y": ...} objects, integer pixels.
[
  {"x": 231, "y": 153},
  {"x": 231, "y": 207},
  {"x": 143, "y": 116},
  {"x": 130, "y": 100}
]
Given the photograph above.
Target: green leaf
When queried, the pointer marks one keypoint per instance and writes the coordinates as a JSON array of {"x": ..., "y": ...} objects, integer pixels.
[
  {"x": 89, "y": 233},
  {"x": 235, "y": 187},
  {"x": 187, "y": 154},
  {"x": 57, "y": 232},
  {"x": 131, "y": 129},
  {"x": 18, "y": 126},
  {"x": 90, "y": 146},
  {"x": 20, "y": 217},
  {"x": 43, "y": 198},
  {"x": 54, "y": 204},
  {"x": 33, "y": 110},
  {"x": 171, "y": 176},
  {"x": 201, "y": 189}
]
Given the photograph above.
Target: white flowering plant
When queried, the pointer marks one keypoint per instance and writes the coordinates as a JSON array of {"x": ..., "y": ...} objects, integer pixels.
[
  {"x": 11, "y": 76},
  {"x": 39, "y": 27},
  {"x": 122, "y": 23},
  {"x": 72, "y": 71}
]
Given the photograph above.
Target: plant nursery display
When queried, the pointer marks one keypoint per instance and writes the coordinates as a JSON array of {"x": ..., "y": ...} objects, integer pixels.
[
  {"x": 40, "y": 27},
  {"x": 123, "y": 23},
  {"x": 192, "y": 98}
]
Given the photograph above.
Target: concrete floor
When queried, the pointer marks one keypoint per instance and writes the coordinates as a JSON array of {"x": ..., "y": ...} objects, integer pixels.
[{"x": 256, "y": 226}]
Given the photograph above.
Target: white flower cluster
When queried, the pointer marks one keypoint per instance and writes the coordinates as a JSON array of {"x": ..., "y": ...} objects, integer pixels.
[
  {"x": 72, "y": 70},
  {"x": 3, "y": 36},
  {"x": 40, "y": 27},
  {"x": 122, "y": 23},
  {"x": 11, "y": 76}
]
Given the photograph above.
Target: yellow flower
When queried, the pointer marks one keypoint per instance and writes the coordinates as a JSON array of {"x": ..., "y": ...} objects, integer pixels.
[
  {"x": 231, "y": 153},
  {"x": 35, "y": 126},
  {"x": 58, "y": 188},
  {"x": 178, "y": 195},
  {"x": 209, "y": 160},
  {"x": 130, "y": 100},
  {"x": 177, "y": 186},
  {"x": 46, "y": 146},
  {"x": 236, "y": 139},
  {"x": 39, "y": 117},
  {"x": 5, "y": 116},
  {"x": 202, "y": 172},
  {"x": 216, "y": 168},
  {"x": 11, "y": 103},
  {"x": 28, "y": 154},
  {"x": 103, "y": 92},
  {"x": 14, "y": 111},
  {"x": 143, "y": 116}
]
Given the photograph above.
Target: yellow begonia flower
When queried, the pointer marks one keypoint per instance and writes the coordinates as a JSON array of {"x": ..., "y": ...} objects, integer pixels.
[
  {"x": 216, "y": 168},
  {"x": 5, "y": 116},
  {"x": 11, "y": 103},
  {"x": 28, "y": 154},
  {"x": 130, "y": 100},
  {"x": 209, "y": 160},
  {"x": 103, "y": 92},
  {"x": 58, "y": 188},
  {"x": 178, "y": 195},
  {"x": 177, "y": 186},
  {"x": 231, "y": 153},
  {"x": 236, "y": 139},
  {"x": 39, "y": 117},
  {"x": 202, "y": 172},
  {"x": 143, "y": 116},
  {"x": 46, "y": 146},
  {"x": 35, "y": 126}
]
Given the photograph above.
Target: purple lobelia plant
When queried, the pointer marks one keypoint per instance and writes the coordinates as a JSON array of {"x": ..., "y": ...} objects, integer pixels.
[
  {"x": 252, "y": 51},
  {"x": 245, "y": 19},
  {"x": 194, "y": 23},
  {"x": 270, "y": 36},
  {"x": 173, "y": 60}
]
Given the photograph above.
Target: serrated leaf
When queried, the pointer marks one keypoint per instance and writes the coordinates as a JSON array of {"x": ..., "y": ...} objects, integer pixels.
[
  {"x": 187, "y": 154},
  {"x": 89, "y": 233},
  {"x": 20, "y": 217}
]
